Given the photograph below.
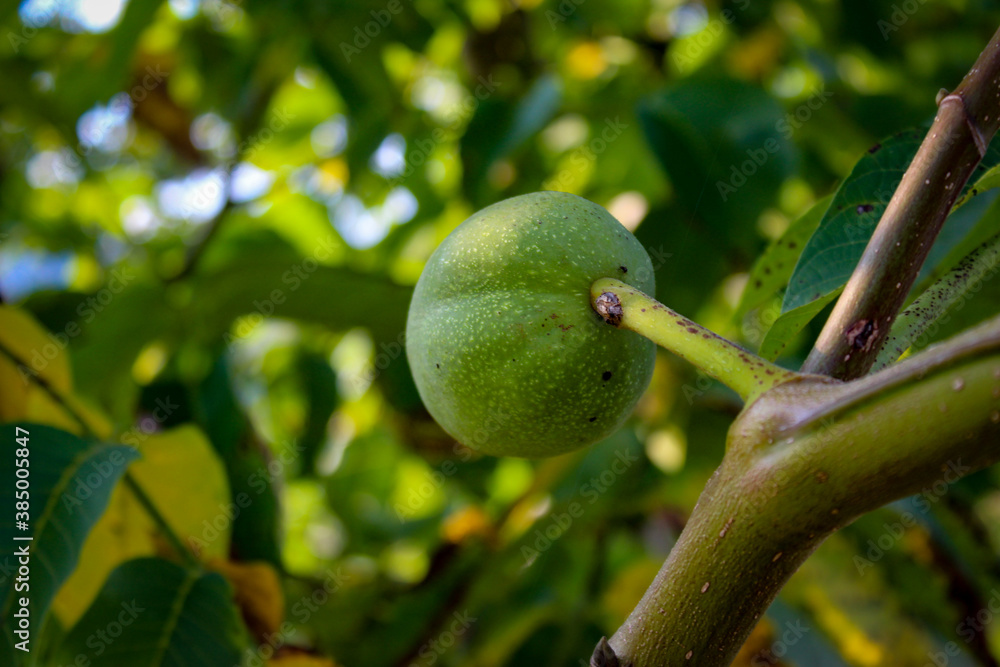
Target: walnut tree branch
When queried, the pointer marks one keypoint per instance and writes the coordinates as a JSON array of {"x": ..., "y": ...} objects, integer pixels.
[{"x": 965, "y": 123}]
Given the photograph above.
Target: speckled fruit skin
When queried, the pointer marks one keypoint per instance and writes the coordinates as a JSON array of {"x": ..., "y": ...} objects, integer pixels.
[{"x": 507, "y": 353}]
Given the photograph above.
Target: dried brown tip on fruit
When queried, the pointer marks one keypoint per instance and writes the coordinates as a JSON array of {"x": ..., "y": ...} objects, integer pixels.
[{"x": 609, "y": 307}]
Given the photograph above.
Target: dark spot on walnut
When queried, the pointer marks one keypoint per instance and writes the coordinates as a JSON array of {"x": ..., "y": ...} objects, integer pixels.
[
  {"x": 592, "y": 419},
  {"x": 606, "y": 375},
  {"x": 437, "y": 365},
  {"x": 624, "y": 269},
  {"x": 609, "y": 307}
]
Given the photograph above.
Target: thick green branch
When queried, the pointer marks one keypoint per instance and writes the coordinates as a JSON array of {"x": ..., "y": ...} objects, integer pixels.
[
  {"x": 803, "y": 460},
  {"x": 966, "y": 121},
  {"x": 628, "y": 308}
]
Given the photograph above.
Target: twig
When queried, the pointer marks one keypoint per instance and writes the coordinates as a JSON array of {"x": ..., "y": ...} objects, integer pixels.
[{"x": 966, "y": 121}]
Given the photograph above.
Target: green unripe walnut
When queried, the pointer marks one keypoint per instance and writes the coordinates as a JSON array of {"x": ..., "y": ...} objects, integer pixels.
[{"x": 506, "y": 350}]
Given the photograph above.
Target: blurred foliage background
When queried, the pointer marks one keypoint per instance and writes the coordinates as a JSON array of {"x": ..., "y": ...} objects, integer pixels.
[{"x": 212, "y": 214}]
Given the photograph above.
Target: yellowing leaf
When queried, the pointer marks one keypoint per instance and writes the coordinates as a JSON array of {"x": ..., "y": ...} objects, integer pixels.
[
  {"x": 257, "y": 590},
  {"x": 466, "y": 523},
  {"x": 184, "y": 478},
  {"x": 183, "y": 475},
  {"x": 42, "y": 352},
  {"x": 42, "y": 356},
  {"x": 41, "y": 407},
  {"x": 13, "y": 392},
  {"x": 757, "y": 649},
  {"x": 26, "y": 391},
  {"x": 124, "y": 532},
  {"x": 851, "y": 640}
]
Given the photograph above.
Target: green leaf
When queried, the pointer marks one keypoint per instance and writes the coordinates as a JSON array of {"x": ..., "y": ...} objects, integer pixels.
[
  {"x": 255, "y": 529},
  {"x": 987, "y": 181},
  {"x": 724, "y": 146},
  {"x": 941, "y": 297},
  {"x": 115, "y": 333},
  {"x": 835, "y": 249},
  {"x": 70, "y": 482},
  {"x": 500, "y": 127},
  {"x": 986, "y": 226},
  {"x": 786, "y": 327},
  {"x": 273, "y": 287},
  {"x": 163, "y": 616},
  {"x": 773, "y": 269}
]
